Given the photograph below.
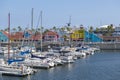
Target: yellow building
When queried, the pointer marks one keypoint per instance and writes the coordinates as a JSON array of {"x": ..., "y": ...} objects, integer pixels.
[{"x": 77, "y": 35}]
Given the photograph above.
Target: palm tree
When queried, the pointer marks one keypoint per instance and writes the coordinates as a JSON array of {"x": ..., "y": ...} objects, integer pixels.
[
  {"x": 110, "y": 30},
  {"x": 68, "y": 29},
  {"x": 41, "y": 29},
  {"x": 97, "y": 30},
  {"x": 14, "y": 29},
  {"x": 55, "y": 29},
  {"x": 62, "y": 29},
  {"x": 33, "y": 30},
  {"x": 46, "y": 30},
  {"x": 6, "y": 29},
  {"x": 19, "y": 28},
  {"x": 1, "y": 30},
  {"x": 65, "y": 37},
  {"x": 91, "y": 29},
  {"x": 103, "y": 31},
  {"x": 38, "y": 29}
]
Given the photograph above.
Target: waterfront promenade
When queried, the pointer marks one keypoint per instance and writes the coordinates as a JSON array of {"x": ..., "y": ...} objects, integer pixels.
[
  {"x": 108, "y": 45},
  {"x": 101, "y": 45}
]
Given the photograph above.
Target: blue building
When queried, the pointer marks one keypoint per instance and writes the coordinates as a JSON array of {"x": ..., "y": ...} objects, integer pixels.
[
  {"x": 3, "y": 37},
  {"x": 91, "y": 37},
  {"x": 61, "y": 34}
]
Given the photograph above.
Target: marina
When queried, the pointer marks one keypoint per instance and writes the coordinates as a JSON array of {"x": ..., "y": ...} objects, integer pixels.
[
  {"x": 103, "y": 65},
  {"x": 41, "y": 44},
  {"x": 14, "y": 64}
]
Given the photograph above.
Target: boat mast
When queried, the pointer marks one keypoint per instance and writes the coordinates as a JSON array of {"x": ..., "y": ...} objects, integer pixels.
[
  {"x": 32, "y": 18},
  {"x": 41, "y": 31},
  {"x": 32, "y": 24},
  {"x": 8, "y": 35},
  {"x": 68, "y": 25}
]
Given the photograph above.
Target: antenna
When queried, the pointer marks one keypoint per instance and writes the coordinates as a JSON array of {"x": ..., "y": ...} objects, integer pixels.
[{"x": 69, "y": 23}]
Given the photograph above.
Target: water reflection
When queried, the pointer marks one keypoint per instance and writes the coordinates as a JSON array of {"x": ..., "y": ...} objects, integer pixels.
[{"x": 70, "y": 66}]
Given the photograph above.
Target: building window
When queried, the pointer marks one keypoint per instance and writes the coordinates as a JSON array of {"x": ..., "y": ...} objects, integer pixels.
[{"x": 51, "y": 37}]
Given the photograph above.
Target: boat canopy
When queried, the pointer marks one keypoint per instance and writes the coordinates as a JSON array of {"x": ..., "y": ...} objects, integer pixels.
[
  {"x": 34, "y": 56},
  {"x": 25, "y": 52},
  {"x": 15, "y": 60}
]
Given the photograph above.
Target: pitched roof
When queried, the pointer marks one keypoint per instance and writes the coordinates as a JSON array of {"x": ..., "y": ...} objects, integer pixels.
[
  {"x": 50, "y": 33},
  {"x": 17, "y": 35},
  {"x": 5, "y": 33},
  {"x": 20, "y": 35},
  {"x": 36, "y": 37}
]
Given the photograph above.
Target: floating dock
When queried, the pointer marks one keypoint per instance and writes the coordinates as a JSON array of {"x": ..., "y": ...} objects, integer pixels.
[{"x": 12, "y": 74}]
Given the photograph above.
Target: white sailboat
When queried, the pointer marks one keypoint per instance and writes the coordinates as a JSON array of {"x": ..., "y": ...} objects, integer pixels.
[
  {"x": 35, "y": 61},
  {"x": 14, "y": 68}
]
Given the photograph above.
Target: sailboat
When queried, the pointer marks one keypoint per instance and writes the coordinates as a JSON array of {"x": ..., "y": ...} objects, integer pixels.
[
  {"x": 13, "y": 68},
  {"x": 35, "y": 62}
]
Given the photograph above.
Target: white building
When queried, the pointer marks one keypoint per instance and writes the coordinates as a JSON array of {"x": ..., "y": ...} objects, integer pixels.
[{"x": 117, "y": 31}]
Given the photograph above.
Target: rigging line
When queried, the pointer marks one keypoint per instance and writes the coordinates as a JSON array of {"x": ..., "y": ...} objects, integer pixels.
[{"x": 38, "y": 20}]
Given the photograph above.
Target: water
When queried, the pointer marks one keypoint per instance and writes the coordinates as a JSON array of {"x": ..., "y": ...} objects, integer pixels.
[{"x": 104, "y": 65}]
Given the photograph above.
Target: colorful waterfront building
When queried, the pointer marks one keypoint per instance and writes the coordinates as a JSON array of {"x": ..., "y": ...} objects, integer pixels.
[
  {"x": 92, "y": 37},
  {"x": 26, "y": 36},
  {"x": 3, "y": 36},
  {"x": 61, "y": 36},
  {"x": 83, "y": 35},
  {"x": 77, "y": 35},
  {"x": 17, "y": 36},
  {"x": 50, "y": 36}
]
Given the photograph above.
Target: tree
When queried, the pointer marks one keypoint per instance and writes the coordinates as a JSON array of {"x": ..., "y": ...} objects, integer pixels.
[
  {"x": 91, "y": 29},
  {"x": 68, "y": 29},
  {"x": 65, "y": 37},
  {"x": 19, "y": 28},
  {"x": 81, "y": 27},
  {"x": 110, "y": 30},
  {"x": 55, "y": 29},
  {"x": 38, "y": 29},
  {"x": 97, "y": 30},
  {"x": 33, "y": 30},
  {"x": 1, "y": 30},
  {"x": 42, "y": 29},
  {"x": 62, "y": 29},
  {"x": 14, "y": 29},
  {"x": 69, "y": 33},
  {"x": 6, "y": 29},
  {"x": 46, "y": 30}
]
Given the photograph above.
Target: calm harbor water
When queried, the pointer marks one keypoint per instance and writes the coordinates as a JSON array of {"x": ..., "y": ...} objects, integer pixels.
[{"x": 103, "y": 65}]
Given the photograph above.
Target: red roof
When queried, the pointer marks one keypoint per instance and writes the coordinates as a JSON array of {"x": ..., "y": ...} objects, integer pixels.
[
  {"x": 17, "y": 35},
  {"x": 36, "y": 36},
  {"x": 20, "y": 36},
  {"x": 5, "y": 33},
  {"x": 29, "y": 31},
  {"x": 50, "y": 33}
]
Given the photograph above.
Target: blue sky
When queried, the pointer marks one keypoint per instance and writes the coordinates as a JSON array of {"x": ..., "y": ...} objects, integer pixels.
[{"x": 57, "y": 12}]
